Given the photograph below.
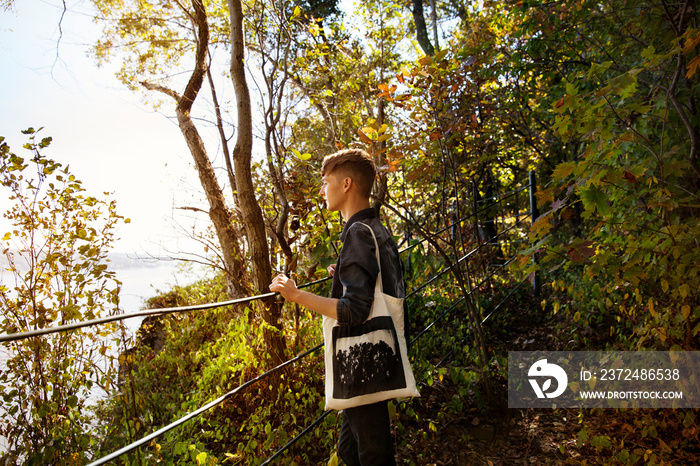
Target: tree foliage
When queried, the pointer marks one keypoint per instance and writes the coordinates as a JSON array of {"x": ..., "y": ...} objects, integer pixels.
[
  {"x": 57, "y": 260},
  {"x": 598, "y": 97},
  {"x": 629, "y": 181}
]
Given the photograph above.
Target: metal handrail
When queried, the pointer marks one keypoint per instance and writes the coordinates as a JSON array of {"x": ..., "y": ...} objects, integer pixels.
[
  {"x": 208, "y": 406},
  {"x": 170, "y": 310}
]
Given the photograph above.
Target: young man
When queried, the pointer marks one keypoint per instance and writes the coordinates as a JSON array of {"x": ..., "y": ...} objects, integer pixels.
[{"x": 348, "y": 177}]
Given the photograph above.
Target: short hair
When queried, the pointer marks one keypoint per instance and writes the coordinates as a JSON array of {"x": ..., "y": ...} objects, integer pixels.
[{"x": 354, "y": 163}]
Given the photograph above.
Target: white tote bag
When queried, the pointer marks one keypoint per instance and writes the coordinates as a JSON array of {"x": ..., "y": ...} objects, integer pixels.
[{"x": 368, "y": 363}]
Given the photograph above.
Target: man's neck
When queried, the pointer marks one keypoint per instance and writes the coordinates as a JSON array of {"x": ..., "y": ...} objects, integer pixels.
[{"x": 351, "y": 208}]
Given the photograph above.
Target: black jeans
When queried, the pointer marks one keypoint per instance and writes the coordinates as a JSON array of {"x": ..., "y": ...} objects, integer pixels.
[{"x": 365, "y": 436}]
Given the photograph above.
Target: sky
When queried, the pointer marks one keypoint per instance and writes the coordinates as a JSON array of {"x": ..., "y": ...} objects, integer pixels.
[{"x": 112, "y": 141}]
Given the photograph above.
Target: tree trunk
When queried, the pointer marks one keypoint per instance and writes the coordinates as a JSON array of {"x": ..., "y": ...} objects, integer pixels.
[
  {"x": 380, "y": 160},
  {"x": 250, "y": 209},
  {"x": 433, "y": 20},
  {"x": 220, "y": 215},
  {"x": 421, "y": 28}
]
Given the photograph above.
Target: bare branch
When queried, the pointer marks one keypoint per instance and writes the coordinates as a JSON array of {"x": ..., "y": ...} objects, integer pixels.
[
  {"x": 163, "y": 89},
  {"x": 60, "y": 35}
]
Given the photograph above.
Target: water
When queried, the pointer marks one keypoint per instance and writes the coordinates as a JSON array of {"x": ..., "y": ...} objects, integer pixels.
[{"x": 140, "y": 281}]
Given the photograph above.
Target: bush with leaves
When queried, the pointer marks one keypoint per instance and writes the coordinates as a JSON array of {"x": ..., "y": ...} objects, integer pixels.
[
  {"x": 631, "y": 184},
  {"x": 57, "y": 259},
  {"x": 206, "y": 354}
]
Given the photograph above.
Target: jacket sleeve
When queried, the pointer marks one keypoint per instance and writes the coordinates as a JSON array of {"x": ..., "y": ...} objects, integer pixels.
[{"x": 358, "y": 274}]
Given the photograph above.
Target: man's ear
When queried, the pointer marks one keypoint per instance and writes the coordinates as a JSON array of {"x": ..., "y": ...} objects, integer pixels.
[{"x": 347, "y": 183}]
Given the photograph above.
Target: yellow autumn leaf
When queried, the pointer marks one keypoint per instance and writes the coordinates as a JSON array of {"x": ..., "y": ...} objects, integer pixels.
[
  {"x": 334, "y": 460},
  {"x": 369, "y": 130},
  {"x": 651, "y": 307},
  {"x": 690, "y": 43},
  {"x": 591, "y": 382},
  {"x": 363, "y": 137},
  {"x": 541, "y": 227},
  {"x": 692, "y": 67},
  {"x": 685, "y": 311},
  {"x": 674, "y": 355},
  {"x": 662, "y": 334}
]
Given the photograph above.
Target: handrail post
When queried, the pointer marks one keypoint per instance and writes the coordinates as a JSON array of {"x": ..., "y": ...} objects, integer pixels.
[{"x": 533, "y": 216}]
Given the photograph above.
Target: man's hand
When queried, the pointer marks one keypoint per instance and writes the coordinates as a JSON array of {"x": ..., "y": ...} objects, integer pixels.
[
  {"x": 289, "y": 291},
  {"x": 285, "y": 286},
  {"x": 331, "y": 269}
]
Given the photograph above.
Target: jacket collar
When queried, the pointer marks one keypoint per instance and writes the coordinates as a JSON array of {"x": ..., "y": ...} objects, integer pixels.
[{"x": 358, "y": 216}]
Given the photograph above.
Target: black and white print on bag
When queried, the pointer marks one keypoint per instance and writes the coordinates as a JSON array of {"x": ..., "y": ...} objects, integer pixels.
[{"x": 366, "y": 359}]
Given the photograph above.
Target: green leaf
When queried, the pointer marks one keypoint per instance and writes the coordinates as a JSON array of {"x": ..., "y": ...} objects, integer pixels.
[
  {"x": 582, "y": 437},
  {"x": 440, "y": 55},
  {"x": 597, "y": 69},
  {"x": 648, "y": 52},
  {"x": 563, "y": 170},
  {"x": 593, "y": 198},
  {"x": 624, "y": 85}
]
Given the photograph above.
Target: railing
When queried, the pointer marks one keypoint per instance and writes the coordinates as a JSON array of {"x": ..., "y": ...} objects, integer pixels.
[{"x": 163, "y": 311}]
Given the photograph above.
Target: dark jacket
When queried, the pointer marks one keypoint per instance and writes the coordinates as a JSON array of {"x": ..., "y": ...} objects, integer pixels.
[{"x": 356, "y": 269}]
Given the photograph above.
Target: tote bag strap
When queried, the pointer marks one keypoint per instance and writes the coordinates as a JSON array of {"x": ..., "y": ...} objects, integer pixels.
[{"x": 376, "y": 254}]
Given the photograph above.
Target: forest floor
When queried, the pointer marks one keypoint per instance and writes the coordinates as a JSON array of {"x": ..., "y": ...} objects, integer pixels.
[{"x": 497, "y": 435}]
